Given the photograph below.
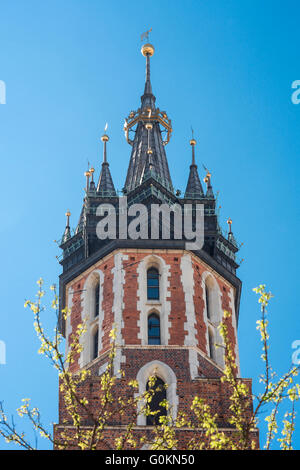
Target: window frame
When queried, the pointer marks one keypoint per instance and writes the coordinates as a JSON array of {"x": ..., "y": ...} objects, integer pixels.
[
  {"x": 155, "y": 287},
  {"x": 157, "y": 316}
]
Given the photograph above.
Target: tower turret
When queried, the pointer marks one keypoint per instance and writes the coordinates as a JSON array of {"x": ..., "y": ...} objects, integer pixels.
[
  {"x": 194, "y": 188},
  {"x": 105, "y": 185}
]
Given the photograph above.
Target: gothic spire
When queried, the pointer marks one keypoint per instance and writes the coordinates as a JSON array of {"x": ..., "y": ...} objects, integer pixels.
[
  {"x": 194, "y": 188},
  {"x": 105, "y": 185},
  {"x": 207, "y": 180},
  {"x": 148, "y": 137},
  {"x": 148, "y": 99},
  {"x": 67, "y": 232}
]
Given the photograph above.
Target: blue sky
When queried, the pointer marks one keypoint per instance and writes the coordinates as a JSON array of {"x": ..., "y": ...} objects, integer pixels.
[{"x": 223, "y": 67}]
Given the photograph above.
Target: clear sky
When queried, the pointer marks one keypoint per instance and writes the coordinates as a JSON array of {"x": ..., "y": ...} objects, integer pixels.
[{"x": 225, "y": 68}]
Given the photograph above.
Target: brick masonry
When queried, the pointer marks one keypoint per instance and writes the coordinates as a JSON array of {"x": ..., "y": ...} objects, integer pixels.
[{"x": 134, "y": 355}]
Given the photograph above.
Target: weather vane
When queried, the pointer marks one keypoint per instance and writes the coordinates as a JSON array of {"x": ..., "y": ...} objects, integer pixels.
[{"x": 145, "y": 35}]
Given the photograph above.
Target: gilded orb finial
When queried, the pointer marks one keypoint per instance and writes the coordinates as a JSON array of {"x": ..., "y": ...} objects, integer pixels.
[
  {"x": 68, "y": 213},
  {"x": 147, "y": 50},
  {"x": 193, "y": 142},
  {"x": 105, "y": 138}
]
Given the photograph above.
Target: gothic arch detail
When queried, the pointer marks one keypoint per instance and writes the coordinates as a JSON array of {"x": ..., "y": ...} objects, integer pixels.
[
  {"x": 167, "y": 375},
  {"x": 212, "y": 316}
]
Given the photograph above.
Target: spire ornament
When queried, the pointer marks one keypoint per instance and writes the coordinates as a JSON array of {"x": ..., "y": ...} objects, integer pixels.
[
  {"x": 147, "y": 130},
  {"x": 207, "y": 180},
  {"x": 229, "y": 223},
  {"x": 92, "y": 183},
  {"x": 87, "y": 174},
  {"x": 105, "y": 185},
  {"x": 193, "y": 143},
  {"x": 194, "y": 188},
  {"x": 231, "y": 237},
  {"x": 104, "y": 139},
  {"x": 148, "y": 104},
  {"x": 67, "y": 232}
]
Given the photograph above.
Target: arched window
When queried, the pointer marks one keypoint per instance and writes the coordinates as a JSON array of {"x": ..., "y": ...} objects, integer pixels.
[
  {"x": 153, "y": 284},
  {"x": 159, "y": 395},
  {"x": 95, "y": 343},
  {"x": 153, "y": 329},
  {"x": 97, "y": 293}
]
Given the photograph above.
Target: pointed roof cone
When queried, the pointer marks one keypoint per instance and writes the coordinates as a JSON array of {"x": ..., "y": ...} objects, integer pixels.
[
  {"x": 67, "y": 232},
  {"x": 193, "y": 188},
  {"x": 207, "y": 180},
  {"x": 105, "y": 185},
  {"x": 143, "y": 139}
]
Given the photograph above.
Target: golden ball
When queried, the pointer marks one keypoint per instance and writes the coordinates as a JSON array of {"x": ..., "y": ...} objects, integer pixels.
[
  {"x": 147, "y": 49},
  {"x": 105, "y": 138}
]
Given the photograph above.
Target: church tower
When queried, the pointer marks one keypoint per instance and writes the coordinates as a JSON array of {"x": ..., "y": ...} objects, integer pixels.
[{"x": 165, "y": 297}]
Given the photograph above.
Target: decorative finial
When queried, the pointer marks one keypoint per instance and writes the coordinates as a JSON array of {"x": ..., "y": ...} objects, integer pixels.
[
  {"x": 229, "y": 222},
  {"x": 105, "y": 139},
  {"x": 87, "y": 174},
  {"x": 92, "y": 171},
  {"x": 193, "y": 143},
  {"x": 67, "y": 232},
  {"x": 145, "y": 35},
  {"x": 68, "y": 213},
  {"x": 149, "y": 127},
  {"x": 147, "y": 50},
  {"x": 207, "y": 178}
]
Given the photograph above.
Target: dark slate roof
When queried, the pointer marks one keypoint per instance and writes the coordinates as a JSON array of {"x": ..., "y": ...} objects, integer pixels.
[
  {"x": 105, "y": 184},
  {"x": 194, "y": 188},
  {"x": 67, "y": 234},
  {"x": 139, "y": 158},
  {"x": 139, "y": 162}
]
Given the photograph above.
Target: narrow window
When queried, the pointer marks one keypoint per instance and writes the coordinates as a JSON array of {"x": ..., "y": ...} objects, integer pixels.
[
  {"x": 97, "y": 293},
  {"x": 207, "y": 302},
  {"x": 159, "y": 395},
  {"x": 153, "y": 329},
  {"x": 95, "y": 344},
  {"x": 153, "y": 284},
  {"x": 211, "y": 345}
]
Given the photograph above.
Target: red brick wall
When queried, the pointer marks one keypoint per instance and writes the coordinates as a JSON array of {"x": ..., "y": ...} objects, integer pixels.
[{"x": 175, "y": 354}]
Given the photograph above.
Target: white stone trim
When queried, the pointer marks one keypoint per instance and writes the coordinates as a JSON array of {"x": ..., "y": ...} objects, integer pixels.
[
  {"x": 88, "y": 303},
  {"x": 68, "y": 327},
  {"x": 213, "y": 323},
  {"x": 164, "y": 372},
  {"x": 187, "y": 280},
  {"x": 234, "y": 325},
  {"x": 118, "y": 305}
]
